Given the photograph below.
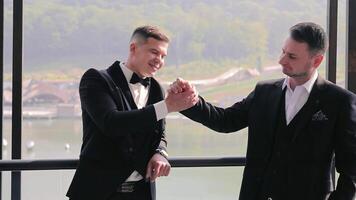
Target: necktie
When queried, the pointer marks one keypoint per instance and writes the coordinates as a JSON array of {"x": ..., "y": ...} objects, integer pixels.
[{"x": 136, "y": 79}]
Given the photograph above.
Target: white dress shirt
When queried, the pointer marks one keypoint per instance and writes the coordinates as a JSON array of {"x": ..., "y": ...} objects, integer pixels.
[
  {"x": 295, "y": 99},
  {"x": 140, "y": 96}
]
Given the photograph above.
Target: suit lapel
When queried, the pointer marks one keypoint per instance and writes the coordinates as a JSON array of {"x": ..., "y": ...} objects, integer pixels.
[
  {"x": 155, "y": 93},
  {"x": 310, "y": 107},
  {"x": 119, "y": 78},
  {"x": 275, "y": 98}
]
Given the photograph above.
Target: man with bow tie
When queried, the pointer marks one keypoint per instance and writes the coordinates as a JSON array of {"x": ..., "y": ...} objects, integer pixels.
[
  {"x": 123, "y": 110},
  {"x": 296, "y": 127}
]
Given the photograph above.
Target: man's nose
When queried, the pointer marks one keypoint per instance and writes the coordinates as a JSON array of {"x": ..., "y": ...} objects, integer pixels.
[
  {"x": 282, "y": 59},
  {"x": 158, "y": 59}
]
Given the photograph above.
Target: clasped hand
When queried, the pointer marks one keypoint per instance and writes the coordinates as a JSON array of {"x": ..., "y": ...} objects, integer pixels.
[{"x": 181, "y": 95}]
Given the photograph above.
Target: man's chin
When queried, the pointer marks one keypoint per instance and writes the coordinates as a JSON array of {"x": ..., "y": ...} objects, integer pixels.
[
  {"x": 300, "y": 75},
  {"x": 152, "y": 74},
  {"x": 285, "y": 72}
]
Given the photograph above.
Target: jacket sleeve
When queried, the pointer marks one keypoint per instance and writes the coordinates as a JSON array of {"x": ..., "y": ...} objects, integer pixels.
[
  {"x": 224, "y": 120},
  {"x": 345, "y": 151},
  {"x": 163, "y": 142},
  {"x": 111, "y": 119}
]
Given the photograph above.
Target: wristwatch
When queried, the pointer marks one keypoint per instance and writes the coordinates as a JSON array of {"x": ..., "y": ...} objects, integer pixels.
[{"x": 162, "y": 152}]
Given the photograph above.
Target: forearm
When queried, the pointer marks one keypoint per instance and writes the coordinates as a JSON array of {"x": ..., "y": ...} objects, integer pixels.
[
  {"x": 145, "y": 119},
  {"x": 219, "y": 119},
  {"x": 110, "y": 114}
]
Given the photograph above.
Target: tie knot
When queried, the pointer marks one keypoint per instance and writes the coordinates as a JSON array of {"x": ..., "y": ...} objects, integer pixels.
[{"x": 136, "y": 79}]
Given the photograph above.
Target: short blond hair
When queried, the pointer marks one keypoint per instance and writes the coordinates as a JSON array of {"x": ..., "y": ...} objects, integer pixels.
[{"x": 144, "y": 32}]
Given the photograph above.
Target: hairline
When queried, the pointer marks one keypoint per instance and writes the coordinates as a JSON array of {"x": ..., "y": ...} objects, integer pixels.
[{"x": 139, "y": 39}]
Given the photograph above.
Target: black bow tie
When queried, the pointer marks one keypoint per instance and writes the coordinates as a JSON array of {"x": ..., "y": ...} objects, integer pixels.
[{"x": 136, "y": 79}]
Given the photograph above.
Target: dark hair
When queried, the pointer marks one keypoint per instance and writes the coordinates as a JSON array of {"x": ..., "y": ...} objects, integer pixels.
[
  {"x": 145, "y": 32},
  {"x": 312, "y": 34}
]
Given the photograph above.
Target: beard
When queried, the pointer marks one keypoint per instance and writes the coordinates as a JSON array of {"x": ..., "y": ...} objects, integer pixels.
[{"x": 297, "y": 75}]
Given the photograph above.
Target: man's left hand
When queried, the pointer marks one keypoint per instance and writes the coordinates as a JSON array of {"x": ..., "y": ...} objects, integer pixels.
[{"x": 157, "y": 166}]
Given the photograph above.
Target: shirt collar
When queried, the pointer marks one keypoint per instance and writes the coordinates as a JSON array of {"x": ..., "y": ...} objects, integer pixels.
[
  {"x": 307, "y": 85},
  {"x": 127, "y": 72}
]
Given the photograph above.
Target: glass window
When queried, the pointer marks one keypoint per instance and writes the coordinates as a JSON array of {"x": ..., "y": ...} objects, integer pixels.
[
  {"x": 224, "y": 47},
  {"x": 341, "y": 45}
]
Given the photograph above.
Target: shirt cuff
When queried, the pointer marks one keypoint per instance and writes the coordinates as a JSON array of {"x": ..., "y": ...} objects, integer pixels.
[{"x": 161, "y": 110}]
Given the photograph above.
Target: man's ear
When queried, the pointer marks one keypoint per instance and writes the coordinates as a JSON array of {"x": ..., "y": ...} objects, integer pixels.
[
  {"x": 317, "y": 60},
  {"x": 133, "y": 47}
]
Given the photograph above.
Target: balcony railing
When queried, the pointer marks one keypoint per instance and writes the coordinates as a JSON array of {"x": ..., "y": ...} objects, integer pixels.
[{"x": 21, "y": 165}]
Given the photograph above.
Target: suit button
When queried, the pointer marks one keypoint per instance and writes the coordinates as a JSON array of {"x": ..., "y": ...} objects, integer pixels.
[
  {"x": 269, "y": 198},
  {"x": 156, "y": 131},
  {"x": 274, "y": 172},
  {"x": 130, "y": 149}
]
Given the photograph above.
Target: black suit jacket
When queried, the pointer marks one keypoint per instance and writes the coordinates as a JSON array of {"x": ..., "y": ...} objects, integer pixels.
[
  {"x": 327, "y": 128},
  {"x": 117, "y": 138}
]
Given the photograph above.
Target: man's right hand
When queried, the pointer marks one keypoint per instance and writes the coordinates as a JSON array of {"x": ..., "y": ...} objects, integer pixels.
[{"x": 181, "y": 95}]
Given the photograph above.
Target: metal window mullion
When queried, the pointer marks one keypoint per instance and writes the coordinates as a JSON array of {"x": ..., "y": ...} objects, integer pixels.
[
  {"x": 332, "y": 33},
  {"x": 350, "y": 72},
  {"x": 17, "y": 95},
  {"x": 332, "y": 54},
  {"x": 1, "y": 81}
]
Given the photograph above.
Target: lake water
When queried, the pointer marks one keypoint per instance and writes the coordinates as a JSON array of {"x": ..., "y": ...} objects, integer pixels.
[{"x": 51, "y": 139}]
